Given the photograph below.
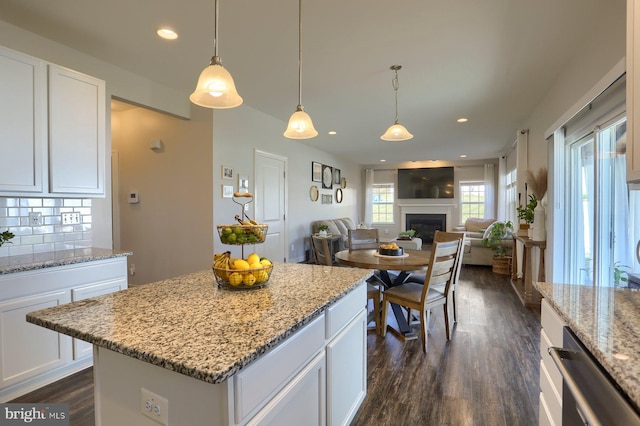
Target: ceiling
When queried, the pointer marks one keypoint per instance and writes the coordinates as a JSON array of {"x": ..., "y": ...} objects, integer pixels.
[{"x": 490, "y": 61}]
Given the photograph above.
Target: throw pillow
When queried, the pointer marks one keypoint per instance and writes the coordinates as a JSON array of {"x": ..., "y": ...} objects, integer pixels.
[{"x": 487, "y": 231}]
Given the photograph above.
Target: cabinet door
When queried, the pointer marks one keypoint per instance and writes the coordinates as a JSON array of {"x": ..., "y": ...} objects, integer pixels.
[
  {"x": 27, "y": 350},
  {"x": 633, "y": 91},
  {"x": 347, "y": 371},
  {"x": 76, "y": 133},
  {"x": 301, "y": 402},
  {"x": 22, "y": 123},
  {"x": 82, "y": 349}
]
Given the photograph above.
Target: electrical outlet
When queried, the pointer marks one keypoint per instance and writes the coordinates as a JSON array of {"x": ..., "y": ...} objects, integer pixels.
[
  {"x": 154, "y": 406},
  {"x": 35, "y": 219},
  {"x": 70, "y": 218}
]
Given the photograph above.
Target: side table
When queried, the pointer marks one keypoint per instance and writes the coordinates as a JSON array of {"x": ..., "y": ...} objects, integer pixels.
[{"x": 532, "y": 271}]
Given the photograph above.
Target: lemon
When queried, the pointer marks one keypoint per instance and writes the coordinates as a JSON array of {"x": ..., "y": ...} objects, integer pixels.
[
  {"x": 235, "y": 279},
  {"x": 249, "y": 279},
  {"x": 241, "y": 265},
  {"x": 261, "y": 276},
  {"x": 265, "y": 262},
  {"x": 253, "y": 258}
]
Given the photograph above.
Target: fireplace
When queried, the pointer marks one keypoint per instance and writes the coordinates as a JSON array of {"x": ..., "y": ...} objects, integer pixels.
[{"x": 426, "y": 225}]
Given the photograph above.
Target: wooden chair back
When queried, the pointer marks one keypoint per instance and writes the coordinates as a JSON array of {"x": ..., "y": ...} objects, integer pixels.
[
  {"x": 361, "y": 239},
  {"x": 321, "y": 250},
  {"x": 441, "y": 236},
  {"x": 441, "y": 266}
]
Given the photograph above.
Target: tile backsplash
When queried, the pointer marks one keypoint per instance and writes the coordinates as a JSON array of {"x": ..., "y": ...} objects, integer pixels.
[{"x": 52, "y": 235}]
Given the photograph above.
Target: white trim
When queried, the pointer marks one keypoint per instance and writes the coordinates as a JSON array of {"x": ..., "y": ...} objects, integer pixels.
[{"x": 593, "y": 93}]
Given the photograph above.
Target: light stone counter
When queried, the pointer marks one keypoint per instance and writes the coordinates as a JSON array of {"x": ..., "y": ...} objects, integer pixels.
[
  {"x": 188, "y": 325},
  {"x": 30, "y": 262},
  {"x": 607, "y": 321}
]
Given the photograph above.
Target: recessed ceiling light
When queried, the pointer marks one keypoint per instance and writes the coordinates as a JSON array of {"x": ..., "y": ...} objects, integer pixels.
[
  {"x": 333, "y": 132},
  {"x": 463, "y": 155},
  {"x": 462, "y": 120},
  {"x": 167, "y": 33},
  {"x": 382, "y": 161}
]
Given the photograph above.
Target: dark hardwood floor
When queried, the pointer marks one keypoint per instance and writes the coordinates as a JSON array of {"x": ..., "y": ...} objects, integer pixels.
[{"x": 486, "y": 375}]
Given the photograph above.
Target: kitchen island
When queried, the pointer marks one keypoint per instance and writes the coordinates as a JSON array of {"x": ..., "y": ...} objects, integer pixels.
[
  {"x": 606, "y": 320},
  {"x": 294, "y": 350}
]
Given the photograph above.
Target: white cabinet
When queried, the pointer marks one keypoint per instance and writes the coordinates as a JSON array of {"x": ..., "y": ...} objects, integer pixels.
[
  {"x": 633, "y": 90},
  {"x": 23, "y": 123},
  {"x": 27, "y": 350},
  {"x": 33, "y": 356},
  {"x": 52, "y": 129},
  {"x": 550, "y": 410}
]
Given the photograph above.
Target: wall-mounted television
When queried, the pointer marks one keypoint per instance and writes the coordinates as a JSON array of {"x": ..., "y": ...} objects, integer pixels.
[{"x": 435, "y": 182}]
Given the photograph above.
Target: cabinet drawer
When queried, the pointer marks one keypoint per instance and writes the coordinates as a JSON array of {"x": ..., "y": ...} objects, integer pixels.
[
  {"x": 552, "y": 370},
  {"x": 341, "y": 314},
  {"x": 552, "y": 398},
  {"x": 268, "y": 375},
  {"x": 551, "y": 323},
  {"x": 543, "y": 413}
]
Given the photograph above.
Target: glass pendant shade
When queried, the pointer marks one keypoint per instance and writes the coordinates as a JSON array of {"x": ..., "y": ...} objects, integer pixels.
[
  {"x": 300, "y": 126},
  {"x": 215, "y": 88},
  {"x": 396, "y": 133}
]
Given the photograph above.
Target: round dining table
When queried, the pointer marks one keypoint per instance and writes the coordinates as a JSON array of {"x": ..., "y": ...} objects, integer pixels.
[{"x": 410, "y": 261}]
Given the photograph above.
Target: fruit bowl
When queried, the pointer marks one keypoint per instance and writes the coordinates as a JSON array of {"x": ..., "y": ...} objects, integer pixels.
[
  {"x": 392, "y": 252},
  {"x": 236, "y": 279},
  {"x": 236, "y": 234}
]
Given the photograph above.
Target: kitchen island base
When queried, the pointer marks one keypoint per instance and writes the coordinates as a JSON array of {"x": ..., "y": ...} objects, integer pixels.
[{"x": 315, "y": 377}]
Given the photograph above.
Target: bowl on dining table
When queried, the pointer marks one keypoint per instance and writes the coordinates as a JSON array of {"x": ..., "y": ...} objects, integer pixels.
[{"x": 395, "y": 251}]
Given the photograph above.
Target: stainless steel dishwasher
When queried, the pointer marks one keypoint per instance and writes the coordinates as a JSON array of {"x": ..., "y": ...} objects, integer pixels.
[{"x": 589, "y": 395}]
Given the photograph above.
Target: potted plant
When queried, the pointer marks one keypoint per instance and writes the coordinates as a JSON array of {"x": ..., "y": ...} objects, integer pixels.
[
  {"x": 5, "y": 237},
  {"x": 322, "y": 229},
  {"x": 525, "y": 213},
  {"x": 494, "y": 238}
]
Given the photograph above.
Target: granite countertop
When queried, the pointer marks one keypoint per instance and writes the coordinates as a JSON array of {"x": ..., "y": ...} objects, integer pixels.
[
  {"x": 186, "y": 324},
  {"x": 607, "y": 321},
  {"x": 30, "y": 262}
]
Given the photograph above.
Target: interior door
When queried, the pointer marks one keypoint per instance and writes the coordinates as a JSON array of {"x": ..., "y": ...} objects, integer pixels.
[{"x": 271, "y": 202}]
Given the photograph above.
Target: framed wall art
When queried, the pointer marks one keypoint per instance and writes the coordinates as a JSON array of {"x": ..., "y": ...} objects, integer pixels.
[
  {"x": 227, "y": 172},
  {"x": 339, "y": 195},
  {"x": 316, "y": 172},
  {"x": 243, "y": 183},
  {"x": 336, "y": 176},
  {"x": 227, "y": 191},
  {"x": 327, "y": 198},
  {"x": 327, "y": 177}
]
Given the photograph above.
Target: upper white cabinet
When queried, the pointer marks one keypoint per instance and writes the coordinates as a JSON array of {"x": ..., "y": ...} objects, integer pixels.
[
  {"x": 52, "y": 129},
  {"x": 633, "y": 90},
  {"x": 23, "y": 123}
]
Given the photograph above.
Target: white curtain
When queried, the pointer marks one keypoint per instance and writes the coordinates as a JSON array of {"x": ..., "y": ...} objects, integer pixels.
[
  {"x": 489, "y": 191},
  {"x": 502, "y": 189},
  {"x": 368, "y": 199}
]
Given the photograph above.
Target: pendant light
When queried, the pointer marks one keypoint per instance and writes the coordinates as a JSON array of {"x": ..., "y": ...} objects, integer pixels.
[
  {"x": 300, "y": 124},
  {"x": 397, "y": 132},
  {"x": 215, "y": 88}
]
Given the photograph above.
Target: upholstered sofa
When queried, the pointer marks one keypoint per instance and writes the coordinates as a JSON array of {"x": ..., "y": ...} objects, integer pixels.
[
  {"x": 474, "y": 252},
  {"x": 339, "y": 226}
]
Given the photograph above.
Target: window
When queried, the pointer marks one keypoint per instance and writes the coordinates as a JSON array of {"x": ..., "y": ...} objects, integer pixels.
[
  {"x": 383, "y": 198},
  {"x": 471, "y": 200}
]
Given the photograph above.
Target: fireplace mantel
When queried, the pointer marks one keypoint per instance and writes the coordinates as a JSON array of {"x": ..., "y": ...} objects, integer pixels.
[{"x": 446, "y": 209}]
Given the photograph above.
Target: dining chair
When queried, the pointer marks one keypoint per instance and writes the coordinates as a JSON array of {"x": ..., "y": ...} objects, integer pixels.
[
  {"x": 427, "y": 296},
  {"x": 361, "y": 239},
  {"x": 419, "y": 278},
  {"x": 322, "y": 251}
]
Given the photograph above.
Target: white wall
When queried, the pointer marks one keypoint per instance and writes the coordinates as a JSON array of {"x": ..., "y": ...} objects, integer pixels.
[
  {"x": 591, "y": 61},
  {"x": 237, "y": 134}
]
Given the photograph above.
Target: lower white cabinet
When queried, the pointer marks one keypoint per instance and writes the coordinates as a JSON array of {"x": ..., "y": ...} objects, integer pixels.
[
  {"x": 550, "y": 410},
  {"x": 32, "y": 356}
]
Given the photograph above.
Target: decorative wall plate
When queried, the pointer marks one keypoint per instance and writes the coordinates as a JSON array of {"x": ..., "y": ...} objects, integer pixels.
[
  {"x": 314, "y": 193},
  {"x": 343, "y": 182}
]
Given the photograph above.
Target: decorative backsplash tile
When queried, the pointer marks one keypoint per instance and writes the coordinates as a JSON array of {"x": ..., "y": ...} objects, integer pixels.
[{"x": 52, "y": 235}]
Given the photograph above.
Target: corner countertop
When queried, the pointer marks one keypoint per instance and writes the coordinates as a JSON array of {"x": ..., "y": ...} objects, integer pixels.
[
  {"x": 188, "y": 325},
  {"x": 607, "y": 321},
  {"x": 50, "y": 259}
]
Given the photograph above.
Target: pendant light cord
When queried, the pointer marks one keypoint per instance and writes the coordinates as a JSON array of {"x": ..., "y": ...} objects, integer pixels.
[
  {"x": 215, "y": 60},
  {"x": 299, "y": 53},
  {"x": 396, "y": 85}
]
